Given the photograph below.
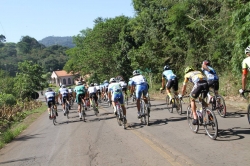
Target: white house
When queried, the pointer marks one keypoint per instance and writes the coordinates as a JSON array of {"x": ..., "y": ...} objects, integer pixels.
[{"x": 61, "y": 77}]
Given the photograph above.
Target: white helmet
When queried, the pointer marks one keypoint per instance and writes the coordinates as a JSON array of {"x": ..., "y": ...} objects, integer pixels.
[
  {"x": 112, "y": 80},
  {"x": 63, "y": 86},
  {"x": 247, "y": 50},
  {"x": 79, "y": 83}
]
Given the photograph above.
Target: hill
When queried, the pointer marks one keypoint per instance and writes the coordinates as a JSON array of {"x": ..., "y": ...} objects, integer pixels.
[{"x": 53, "y": 40}]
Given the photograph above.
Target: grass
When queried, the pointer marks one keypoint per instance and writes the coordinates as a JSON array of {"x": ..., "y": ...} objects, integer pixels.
[{"x": 18, "y": 126}]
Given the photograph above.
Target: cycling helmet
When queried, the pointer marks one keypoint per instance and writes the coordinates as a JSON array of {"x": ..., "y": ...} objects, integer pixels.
[
  {"x": 247, "y": 50},
  {"x": 95, "y": 84},
  {"x": 106, "y": 81},
  {"x": 49, "y": 89},
  {"x": 130, "y": 79},
  {"x": 91, "y": 84},
  {"x": 63, "y": 86},
  {"x": 206, "y": 62},
  {"x": 79, "y": 83},
  {"x": 166, "y": 67},
  {"x": 136, "y": 72},
  {"x": 112, "y": 80},
  {"x": 188, "y": 69}
]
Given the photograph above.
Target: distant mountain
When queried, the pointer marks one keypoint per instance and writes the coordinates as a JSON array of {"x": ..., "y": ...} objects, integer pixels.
[{"x": 53, "y": 40}]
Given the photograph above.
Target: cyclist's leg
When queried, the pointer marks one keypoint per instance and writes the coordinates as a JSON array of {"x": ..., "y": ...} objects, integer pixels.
[
  {"x": 138, "y": 94},
  {"x": 121, "y": 101}
]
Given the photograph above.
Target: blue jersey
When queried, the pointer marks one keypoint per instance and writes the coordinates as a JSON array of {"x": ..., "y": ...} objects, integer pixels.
[
  {"x": 168, "y": 75},
  {"x": 211, "y": 75}
]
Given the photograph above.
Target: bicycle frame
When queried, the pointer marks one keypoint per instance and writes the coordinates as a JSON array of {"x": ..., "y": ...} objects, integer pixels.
[{"x": 206, "y": 118}]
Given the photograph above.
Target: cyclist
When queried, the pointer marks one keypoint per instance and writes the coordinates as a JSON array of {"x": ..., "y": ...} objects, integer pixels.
[
  {"x": 212, "y": 78},
  {"x": 200, "y": 83},
  {"x": 123, "y": 85},
  {"x": 172, "y": 82},
  {"x": 50, "y": 97},
  {"x": 115, "y": 94},
  {"x": 98, "y": 90},
  {"x": 64, "y": 96},
  {"x": 140, "y": 86},
  {"x": 245, "y": 68},
  {"x": 105, "y": 88},
  {"x": 71, "y": 97},
  {"x": 80, "y": 94},
  {"x": 92, "y": 93}
]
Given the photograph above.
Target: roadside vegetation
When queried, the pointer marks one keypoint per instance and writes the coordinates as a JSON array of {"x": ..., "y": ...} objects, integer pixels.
[{"x": 178, "y": 33}]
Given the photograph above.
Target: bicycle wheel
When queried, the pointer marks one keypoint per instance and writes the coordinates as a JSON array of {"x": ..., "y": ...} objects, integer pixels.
[
  {"x": 118, "y": 115},
  {"x": 143, "y": 112},
  {"x": 190, "y": 118},
  {"x": 173, "y": 106},
  {"x": 53, "y": 116},
  {"x": 67, "y": 110},
  {"x": 147, "y": 115},
  {"x": 221, "y": 106},
  {"x": 210, "y": 124},
  {"x": 248, "y": 113},
  {"x": 178, "y": 106}
]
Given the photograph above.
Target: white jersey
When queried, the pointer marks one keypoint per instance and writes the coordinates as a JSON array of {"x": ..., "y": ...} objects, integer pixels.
[
  {"x": 70, "y": 90},
  {"x": 138, "y": 80},
  {"x": 97, "y": 87},
  {"x": 123, "y": 84},
  {"x": 92, "y": 89},
  {"x": 64, "y": 91}
]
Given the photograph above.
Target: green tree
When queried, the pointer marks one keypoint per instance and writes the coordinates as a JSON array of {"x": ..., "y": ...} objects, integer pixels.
[{"x": 29, "y": 79}]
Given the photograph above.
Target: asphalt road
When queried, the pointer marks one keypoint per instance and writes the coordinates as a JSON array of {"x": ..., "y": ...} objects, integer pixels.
[{"x": 101, "y": 142}]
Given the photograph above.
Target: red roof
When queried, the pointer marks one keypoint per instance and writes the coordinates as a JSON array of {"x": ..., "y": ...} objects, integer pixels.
[{"x": 61, "y": 73}]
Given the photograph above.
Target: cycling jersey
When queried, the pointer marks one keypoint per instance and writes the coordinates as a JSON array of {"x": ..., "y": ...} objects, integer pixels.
[
  {"x": 130, "y": 82},
  {"x": 194, "y": 77},
  {"x": 80, "y": 89},
  {"x": 92, "y": 89},
  {"x": 211, "y": 75},
  {"x": 64, "y": 92},
  {"x": 168, "y": 75},
  {"x": 80, "y": 93},
  {"x": 123, "y": 84},
  {"x": 116, "y": 90},
  {"x": 141, "y": 85},
  {"x": 50, "y": 96}
]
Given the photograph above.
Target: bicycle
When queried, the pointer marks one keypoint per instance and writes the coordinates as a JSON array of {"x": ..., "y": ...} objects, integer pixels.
[
  {"x": 144, "y": 112},
  {"x": 176, "y": 104},
  {"x": 125, "y": 96},
  {"x": 218, "y": 103},
  {"x": 121, "y": 120},
  {"x": 248, "y": 107},
  {"x": 148, "y": 98},
  {"x": 133, "y": 97},
  {"x": 93, "y": 104},
  {"x": 206, "y": 118},
  {"x": 67, "y": 109},
  {"x": 53, "y": 113}
]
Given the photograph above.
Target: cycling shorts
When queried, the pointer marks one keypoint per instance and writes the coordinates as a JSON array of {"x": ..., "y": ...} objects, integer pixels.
[
  {"x": 117, "y": 97},
  {"x": 141, "y": 89},
  {"x": 213, "y": 84},
  {"x": 172, "y": 84},
  {"x": 198, "y": 88},
  {"x": 93, "y": 95},
  {"x": 79, "y": 98}
]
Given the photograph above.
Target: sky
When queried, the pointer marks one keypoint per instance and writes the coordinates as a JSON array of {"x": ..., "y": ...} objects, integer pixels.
[{"x": 42, "y": 18}]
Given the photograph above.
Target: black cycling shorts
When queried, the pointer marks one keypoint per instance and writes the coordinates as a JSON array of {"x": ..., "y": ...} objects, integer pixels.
[
  {"x": 213, "y": 84},
  {"x": 201, "y": 86},
  {"x": 172, "y": 84}
]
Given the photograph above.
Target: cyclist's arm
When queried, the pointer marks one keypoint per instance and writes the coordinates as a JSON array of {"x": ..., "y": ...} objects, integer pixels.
[
  {"x": 184, "y": 86},
  {"x": 244, "y": 78},
  {"x": 163, "y": 82}
]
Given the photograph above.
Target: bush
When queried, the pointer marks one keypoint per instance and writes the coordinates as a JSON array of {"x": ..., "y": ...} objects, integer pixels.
[{"x": 7, "y": 99}]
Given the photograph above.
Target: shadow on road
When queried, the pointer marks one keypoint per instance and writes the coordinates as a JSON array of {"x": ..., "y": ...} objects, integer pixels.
[
  {"x": 26, "y": 137},
  {"x": 12, "y": 161},
  {"x": 232, "y": 134}
]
